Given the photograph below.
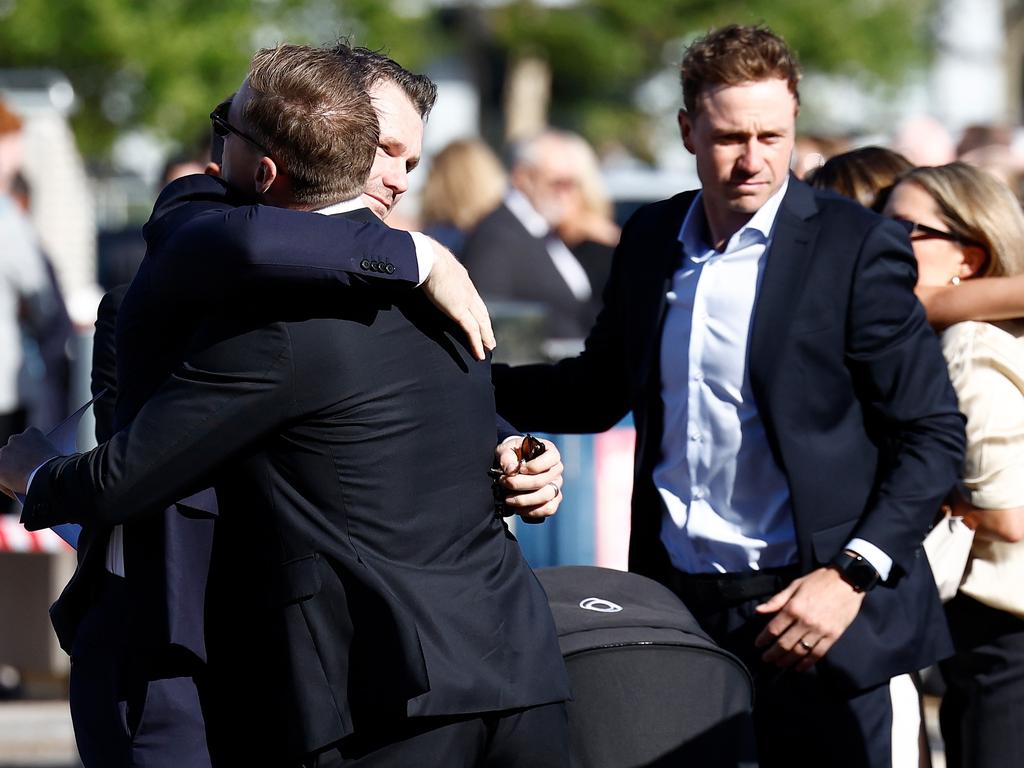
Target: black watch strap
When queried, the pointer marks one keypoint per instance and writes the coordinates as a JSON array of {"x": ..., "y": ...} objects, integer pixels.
[{"x": 856, "y": 571}]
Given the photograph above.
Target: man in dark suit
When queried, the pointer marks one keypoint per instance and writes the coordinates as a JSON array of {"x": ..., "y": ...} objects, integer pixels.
[
  {"x": 447, "y": 654},
  {"x": 139, "y": 643},
  {"x": 796, "y": 430},
  {"x": 515, "y": 254}
]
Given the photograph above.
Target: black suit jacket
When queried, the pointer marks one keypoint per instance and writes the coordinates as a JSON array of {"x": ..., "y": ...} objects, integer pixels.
[
  {"x": 508, "y": 263},
  {"x": 207, "y": 248},
  {"x": 359, "y": 569},
  {"x": 848, "y": 378}
]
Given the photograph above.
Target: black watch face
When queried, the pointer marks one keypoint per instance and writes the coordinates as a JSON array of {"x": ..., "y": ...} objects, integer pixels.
[{"x": 860, "y": 573}]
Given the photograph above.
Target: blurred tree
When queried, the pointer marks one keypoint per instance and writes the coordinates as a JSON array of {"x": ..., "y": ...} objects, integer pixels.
[
  {"x": 600, "y": 51},
  {"x": 164, "y": 63}
]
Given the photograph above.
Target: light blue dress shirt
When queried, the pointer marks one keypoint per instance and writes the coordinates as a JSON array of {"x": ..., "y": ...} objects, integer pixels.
[{"x": 727, "y": 502}]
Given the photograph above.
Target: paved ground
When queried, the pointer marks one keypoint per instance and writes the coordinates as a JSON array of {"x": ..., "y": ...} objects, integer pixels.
[{"x": 38, "y": 734}]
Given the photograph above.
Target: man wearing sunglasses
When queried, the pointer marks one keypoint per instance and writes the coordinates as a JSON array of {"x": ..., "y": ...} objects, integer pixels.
[
  {"x": 260, "y": 162},
  {"x": 796, "y": 428}
]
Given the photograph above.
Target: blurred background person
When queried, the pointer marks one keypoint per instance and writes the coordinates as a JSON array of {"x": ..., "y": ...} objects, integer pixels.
[
  {"x": 864, "y": 174},
  {"x": 516, "y": 254},
  {"x": 923, "y": 140},
  {"x": 588, "y": 226},
  {"x": 967, "y": 224},
  {"x": 49, "y": 384},
  {"x": 27, "y": 303},
  {"x": 465, "y": 182}
]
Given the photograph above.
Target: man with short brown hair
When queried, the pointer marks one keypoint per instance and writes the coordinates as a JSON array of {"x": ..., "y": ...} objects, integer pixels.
[{"x": 796, "y": 429}]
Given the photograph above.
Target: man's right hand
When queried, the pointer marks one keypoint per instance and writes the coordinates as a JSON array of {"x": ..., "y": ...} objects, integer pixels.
[{"x": 448, "y": 286}]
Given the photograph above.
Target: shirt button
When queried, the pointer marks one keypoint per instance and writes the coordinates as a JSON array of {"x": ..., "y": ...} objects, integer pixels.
[
  {"x": 698, "y": 377},
  {"x": 695, "y": 437},
  {"x": 698, "y": 492}
]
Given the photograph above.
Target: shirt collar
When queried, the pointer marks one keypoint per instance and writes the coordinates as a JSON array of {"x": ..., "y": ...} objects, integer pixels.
[
  {"x": 527, "y": 215},
  {"x": 696, "y": 238},
  {"x": 343, "y": 207}
]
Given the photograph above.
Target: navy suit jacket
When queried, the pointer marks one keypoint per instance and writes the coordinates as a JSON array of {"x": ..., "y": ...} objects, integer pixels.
[
  {"x": 848, "y": 378},
  {"x": 207, "y": 248},
  {"x": 359, "y": 569}
]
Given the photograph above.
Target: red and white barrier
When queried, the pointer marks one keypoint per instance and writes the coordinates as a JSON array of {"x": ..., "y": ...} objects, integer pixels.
[{"x": 14, "y": 538}]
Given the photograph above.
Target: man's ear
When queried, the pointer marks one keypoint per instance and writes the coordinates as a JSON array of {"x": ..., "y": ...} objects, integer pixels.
[
  {"x": 686, "y": 130},
  {"x": 974, "y": 263},
  {"x": 266, "y": 174}
]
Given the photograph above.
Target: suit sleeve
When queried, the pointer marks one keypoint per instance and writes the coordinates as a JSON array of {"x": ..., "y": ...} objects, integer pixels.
[
  {"x": 232, "y": 389},
  {"x": 901, "y": 379},
  {"x": 222, "y": 246},
  {"x": 104, "y": 363}
]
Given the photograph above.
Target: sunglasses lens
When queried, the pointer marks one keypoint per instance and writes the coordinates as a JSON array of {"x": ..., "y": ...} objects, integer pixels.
[{"x": 531, "y": 448}]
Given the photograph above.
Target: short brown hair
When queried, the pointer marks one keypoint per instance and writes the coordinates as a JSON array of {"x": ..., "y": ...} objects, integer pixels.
[
  {"x": 310, "y": 112},
  {"x": 376, "y": 67},
  {"x": 865, "y": 175},
  {"x": 734, "y": 55}
]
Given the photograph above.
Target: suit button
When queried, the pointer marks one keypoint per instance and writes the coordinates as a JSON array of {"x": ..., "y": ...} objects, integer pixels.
[
  {"x": 375, "y": 266},
  {"x": 389, "y": 268},
  {"x": 364, "y": 264}
]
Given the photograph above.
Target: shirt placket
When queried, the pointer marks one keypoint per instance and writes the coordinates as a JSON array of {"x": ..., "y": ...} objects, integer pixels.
[{"x": 697, "y": 425}]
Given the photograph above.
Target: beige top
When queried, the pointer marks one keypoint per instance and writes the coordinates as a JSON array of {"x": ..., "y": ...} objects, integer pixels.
[{"x": 986, "y": 366}]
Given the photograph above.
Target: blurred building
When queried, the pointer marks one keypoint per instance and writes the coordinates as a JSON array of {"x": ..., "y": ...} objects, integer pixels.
[{"x": 62, "y": 204}]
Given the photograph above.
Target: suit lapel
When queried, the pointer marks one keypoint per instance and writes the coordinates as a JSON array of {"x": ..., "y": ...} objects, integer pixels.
[{"x": 787, "y": 264}]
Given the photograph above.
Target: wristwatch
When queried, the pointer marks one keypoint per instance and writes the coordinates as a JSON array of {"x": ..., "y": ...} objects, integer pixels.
[{"x": 856, "y": 571}]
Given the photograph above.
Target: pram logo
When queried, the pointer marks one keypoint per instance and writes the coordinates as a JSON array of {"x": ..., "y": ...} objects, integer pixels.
[{"x": 600, "y": 605}]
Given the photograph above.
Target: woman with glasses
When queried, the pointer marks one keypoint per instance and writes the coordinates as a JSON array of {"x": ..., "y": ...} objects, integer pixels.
[{"x": 965, "y": 224}]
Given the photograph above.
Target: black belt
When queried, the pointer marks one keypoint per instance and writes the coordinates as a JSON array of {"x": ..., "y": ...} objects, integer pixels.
[{"x": 706, "y": 592}]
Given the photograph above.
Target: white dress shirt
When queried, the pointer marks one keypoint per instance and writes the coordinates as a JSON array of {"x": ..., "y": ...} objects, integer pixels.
[{"x": 727, "y": 502}]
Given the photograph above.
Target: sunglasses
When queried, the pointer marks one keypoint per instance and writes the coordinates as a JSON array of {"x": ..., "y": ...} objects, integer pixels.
[
  {"x": 528, "y": 450},
  {"x": 222, "y": 128},
  {"x": 924, "y": 232}
]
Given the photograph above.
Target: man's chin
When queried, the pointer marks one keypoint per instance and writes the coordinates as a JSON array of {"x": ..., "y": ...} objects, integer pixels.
[{"x": 379, "y": 209}]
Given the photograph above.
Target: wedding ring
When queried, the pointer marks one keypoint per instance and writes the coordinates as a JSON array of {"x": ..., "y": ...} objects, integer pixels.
[
  {"x": 557, "y": 489},
  {"x": 804, "y": 645}
]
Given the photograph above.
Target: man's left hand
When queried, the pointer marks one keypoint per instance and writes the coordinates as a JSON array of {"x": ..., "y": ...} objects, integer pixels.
[
  {"x": 22, "y": 455},
  {"x": 811, "y": 614},
  {"x": 534, "y": 487}
]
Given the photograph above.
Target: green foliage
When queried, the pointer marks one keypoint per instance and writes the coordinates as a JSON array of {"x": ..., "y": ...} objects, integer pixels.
[{"x": 165, "y": 63}]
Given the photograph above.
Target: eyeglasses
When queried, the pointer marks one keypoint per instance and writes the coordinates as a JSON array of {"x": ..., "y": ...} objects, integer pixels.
[
  {"x": 924, "y": 232},
  {"x": 222, "y": 128}
]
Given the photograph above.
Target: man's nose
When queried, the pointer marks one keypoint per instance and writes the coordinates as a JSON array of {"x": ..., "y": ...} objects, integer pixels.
[
  {"x": 752, "y": 157},
  {"x": 397, "y": 178}
]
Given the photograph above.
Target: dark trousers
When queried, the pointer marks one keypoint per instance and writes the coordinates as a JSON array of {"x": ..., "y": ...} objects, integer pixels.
[
  {"x": 800, "y": 719},
  {"x": 132, "y": 708},
  {"x": 982, "y": 714},
  {"x": 10, "y": 424},
  {"x": 537, "y": 737}
]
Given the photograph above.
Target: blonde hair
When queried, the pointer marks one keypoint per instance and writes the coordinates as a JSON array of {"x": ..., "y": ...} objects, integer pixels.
[
  {"x": 465, "y": 183},
  {"x": 977, "y": 206}
]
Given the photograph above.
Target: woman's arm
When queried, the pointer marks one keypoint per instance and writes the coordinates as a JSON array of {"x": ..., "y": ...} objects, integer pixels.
[
  {"x": 995, "y": 524},
  {"x": 986, "y": 298}
]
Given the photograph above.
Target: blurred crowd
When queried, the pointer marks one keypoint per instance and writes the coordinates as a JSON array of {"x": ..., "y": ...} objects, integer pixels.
[{"x": 537, "y": 234}]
